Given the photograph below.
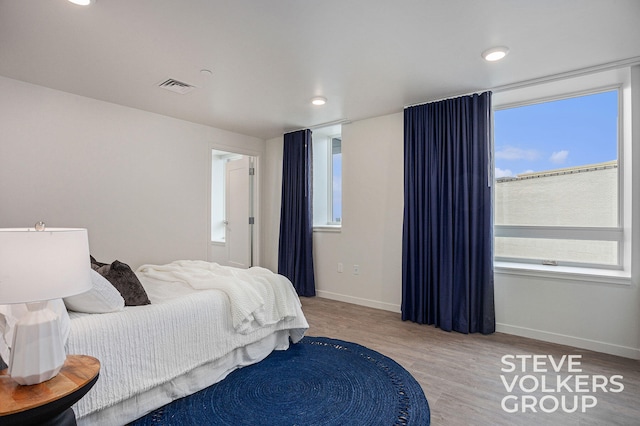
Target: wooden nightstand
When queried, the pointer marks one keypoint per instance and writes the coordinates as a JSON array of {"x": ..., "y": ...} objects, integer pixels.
[{"x": 48, "y": 403}]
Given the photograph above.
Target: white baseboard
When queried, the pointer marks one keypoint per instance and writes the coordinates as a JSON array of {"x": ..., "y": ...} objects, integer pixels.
[
  {"x": 358, "y": 301},
  {"x": 577, "y": 342},
  {"x": 562, "y": 339}
]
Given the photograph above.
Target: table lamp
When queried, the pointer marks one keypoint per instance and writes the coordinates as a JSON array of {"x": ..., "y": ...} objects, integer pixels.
[{"x": 38, "y": 265}]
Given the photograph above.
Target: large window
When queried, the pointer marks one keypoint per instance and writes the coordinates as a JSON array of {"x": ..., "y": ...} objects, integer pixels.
[
  {"x": 557, "y": 188},
  {"x": 327, "y": 177}
]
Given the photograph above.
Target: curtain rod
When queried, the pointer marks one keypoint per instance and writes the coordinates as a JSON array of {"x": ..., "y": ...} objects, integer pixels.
[
  {"x": 547, "y": 79},
  {"x": 317, "y": 126}
]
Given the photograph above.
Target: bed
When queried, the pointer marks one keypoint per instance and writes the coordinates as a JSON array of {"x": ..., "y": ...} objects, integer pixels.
[{"x": 197, "y": 328}]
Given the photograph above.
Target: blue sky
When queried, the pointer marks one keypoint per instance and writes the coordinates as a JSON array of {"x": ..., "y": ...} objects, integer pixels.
[{"x": 558, "y": 134}]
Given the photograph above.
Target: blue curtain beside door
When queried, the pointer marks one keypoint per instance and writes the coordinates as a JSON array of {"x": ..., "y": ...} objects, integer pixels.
[
  {"x": 295, "y": 255},
  {"x": 447, "y": 265}
]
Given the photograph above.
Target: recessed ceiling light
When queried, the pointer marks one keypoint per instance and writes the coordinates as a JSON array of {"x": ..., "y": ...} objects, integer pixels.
[
  {"x": 495, "y": 53},
  {"x": 319, "y": 100},
  {"x": 82, "y": 2}
]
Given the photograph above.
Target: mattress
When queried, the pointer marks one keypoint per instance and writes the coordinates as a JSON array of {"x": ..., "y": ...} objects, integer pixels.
[{"x": 181, "y": 343}]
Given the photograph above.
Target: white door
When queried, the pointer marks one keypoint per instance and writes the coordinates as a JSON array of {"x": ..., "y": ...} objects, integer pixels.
[{"x": 238, "y": 211}]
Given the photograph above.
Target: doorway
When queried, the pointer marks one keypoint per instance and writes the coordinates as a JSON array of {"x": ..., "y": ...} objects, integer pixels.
[{"x": 232, "y": 209}]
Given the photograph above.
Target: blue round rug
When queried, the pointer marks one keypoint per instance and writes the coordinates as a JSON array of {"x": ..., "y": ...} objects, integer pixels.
[{"x": 318, "y": 381}]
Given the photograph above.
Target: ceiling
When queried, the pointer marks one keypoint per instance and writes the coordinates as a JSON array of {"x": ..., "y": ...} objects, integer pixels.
[{"x": 269, "y": 58}]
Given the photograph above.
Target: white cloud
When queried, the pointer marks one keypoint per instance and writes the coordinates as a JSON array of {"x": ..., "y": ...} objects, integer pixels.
[
  {"x": 559, "y": 157},
  {"x": 502, "y": 173},
  {"x": 513, "y": 153}
]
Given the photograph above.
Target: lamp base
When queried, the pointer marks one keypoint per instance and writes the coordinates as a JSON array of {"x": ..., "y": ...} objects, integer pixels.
[{"x": 37, "y": 352}]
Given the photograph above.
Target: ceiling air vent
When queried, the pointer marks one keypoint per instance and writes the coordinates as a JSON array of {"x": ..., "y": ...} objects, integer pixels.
[{"x": 176, "y": 86}]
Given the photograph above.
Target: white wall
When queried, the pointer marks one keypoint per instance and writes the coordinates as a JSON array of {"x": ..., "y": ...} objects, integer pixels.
[
  {"x": 271, "y": 196},
  {"x": 137, "y": 181},
  {"x": 599, "y": 316}
]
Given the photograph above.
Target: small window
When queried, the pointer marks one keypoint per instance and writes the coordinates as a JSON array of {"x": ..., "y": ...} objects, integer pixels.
[
  {"x": 218, "y": 199},
  {"x": 557, "y": 197},
  {"x": 336, "y": 180},
  {"x": 327, "y": 177}
]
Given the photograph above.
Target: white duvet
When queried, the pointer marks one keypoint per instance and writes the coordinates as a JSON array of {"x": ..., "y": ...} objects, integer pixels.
[
  {"x": 146, "y": 346},
  {"x": 258, "y": 297}
]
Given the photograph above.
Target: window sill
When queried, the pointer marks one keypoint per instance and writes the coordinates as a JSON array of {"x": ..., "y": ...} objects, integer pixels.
[
  {"x": 328, "y": 228},
  {"x": 592, "y": 275}
]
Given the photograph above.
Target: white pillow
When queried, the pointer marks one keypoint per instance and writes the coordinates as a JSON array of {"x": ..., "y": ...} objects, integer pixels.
[
  {"x": 102, "y": 298},
  {"x": 11, "y": 314}
]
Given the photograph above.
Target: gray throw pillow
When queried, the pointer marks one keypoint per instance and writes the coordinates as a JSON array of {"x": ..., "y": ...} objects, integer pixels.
[{"x": 124, "y": 280}]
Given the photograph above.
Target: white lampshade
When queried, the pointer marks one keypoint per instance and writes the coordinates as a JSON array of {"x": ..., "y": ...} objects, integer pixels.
[
  {"x": 37, "y": 265},
  {"x": 43, "y": 265}
]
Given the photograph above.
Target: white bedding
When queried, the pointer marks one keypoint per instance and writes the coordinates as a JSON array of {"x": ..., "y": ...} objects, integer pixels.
[
  {"x": 258, "y": 297},
  {"x": 147, "y": 347}
]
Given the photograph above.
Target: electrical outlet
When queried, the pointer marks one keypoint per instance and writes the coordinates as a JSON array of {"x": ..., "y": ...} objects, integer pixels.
[
  {"x": 356, "y": 269},
  {"x": 340, "y": 267}
]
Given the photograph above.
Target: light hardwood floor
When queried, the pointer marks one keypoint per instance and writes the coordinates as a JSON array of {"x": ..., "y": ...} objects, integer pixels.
[{"x": 460, "y": 374}]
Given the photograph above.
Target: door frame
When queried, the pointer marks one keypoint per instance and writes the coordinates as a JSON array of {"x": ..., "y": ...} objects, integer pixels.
[{"x": 256, "y": 232}]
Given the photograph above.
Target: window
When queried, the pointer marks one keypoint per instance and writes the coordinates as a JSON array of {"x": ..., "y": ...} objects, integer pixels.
[
  {"x": 558, "y": 182},
  {"x": 219, "y": 159},
  {"x": 327, "y": 177},
  {"x": 336, "y": 179}
]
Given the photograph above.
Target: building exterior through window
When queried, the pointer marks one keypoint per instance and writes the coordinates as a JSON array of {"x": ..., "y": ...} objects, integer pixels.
[{"x": 582, "y": 196}]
